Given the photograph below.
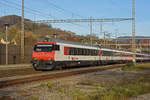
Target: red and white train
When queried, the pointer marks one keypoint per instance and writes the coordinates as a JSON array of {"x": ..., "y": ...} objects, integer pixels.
[{"x": 49, "y": 53}]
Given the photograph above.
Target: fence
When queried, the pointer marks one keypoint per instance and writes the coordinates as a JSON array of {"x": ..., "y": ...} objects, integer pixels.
[{"x": 14, "y": 54}]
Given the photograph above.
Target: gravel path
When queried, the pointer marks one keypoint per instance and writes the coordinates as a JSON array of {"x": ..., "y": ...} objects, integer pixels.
[
  {"x": 68, "y": 88},
  {"x": 141, "y": 97}
]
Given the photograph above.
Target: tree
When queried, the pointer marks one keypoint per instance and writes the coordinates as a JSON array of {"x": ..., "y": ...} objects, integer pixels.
[
  {"x": 30, "y": 38},
  {"x": 12, "y": 32}
]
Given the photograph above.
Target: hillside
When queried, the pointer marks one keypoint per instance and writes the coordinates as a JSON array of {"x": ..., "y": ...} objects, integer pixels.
[{"x": 33, "y": 31}]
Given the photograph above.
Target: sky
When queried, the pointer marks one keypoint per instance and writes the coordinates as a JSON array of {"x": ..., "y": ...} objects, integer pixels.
[{"x": 77, "y": 9}]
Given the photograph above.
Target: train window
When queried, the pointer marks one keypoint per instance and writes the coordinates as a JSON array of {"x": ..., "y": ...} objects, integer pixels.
[
  {"x": 90, "y": 52},
  {"x": 71, "y": 51},
  {"x": 116, "y": 54},
  {"x": 104, "y": 53},
  {"x": 138, "y": 55},
  {"x": 84, "y": 51},
  {"x": 43, "y": 47},
  {"x": 107, "y": 53},
  {"x": 74, "y": 49},
  {"x": 56, "y": 47},
  {"x": 95, "y": 52},
  {"x": 77, "y": 51},
  {"x": 81, "y": 51}
]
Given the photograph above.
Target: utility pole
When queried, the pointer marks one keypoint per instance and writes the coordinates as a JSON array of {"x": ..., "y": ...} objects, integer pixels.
[
  {"x": 133, "y": 33},
  {"x": 6, "y": 27},
  {"x": 91, "y": 33},
  {"x": 116, "y": 31},
  {"x": 101, "y": 28},
  {"x": 140, "y": 47},
  {"x": 55, "y": 36},
  {"x": 148, "y": 47},
  {"x": 108, "y": 41},
  {"x": 22, "y": 33},
  {"x": 107, "y": 37},
  {"x": 104, "y": 39}
]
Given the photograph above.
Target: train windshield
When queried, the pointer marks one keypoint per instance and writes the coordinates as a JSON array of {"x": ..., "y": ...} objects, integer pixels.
[{"x": 43, "y": 47}]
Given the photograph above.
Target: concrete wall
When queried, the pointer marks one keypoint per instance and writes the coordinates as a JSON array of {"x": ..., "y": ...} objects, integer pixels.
[{"x": 14, "y": 54}]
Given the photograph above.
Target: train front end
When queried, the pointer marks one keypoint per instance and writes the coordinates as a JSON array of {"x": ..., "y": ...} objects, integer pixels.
[{"x": 43, "y": 55}]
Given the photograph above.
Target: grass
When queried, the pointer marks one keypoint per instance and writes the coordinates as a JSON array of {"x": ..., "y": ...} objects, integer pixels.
[
  {"x": 50, "y": 85},
  {"x": 138, "y": 67},
  {"x": 116, "y": 92},
  {"x": 142, "y": 86},
  {"x": 43, "y": 84},
  {"x": 106, "y": 91},
  {"x": 63, "y": 90},
  {"x": 33, "y": 97}
]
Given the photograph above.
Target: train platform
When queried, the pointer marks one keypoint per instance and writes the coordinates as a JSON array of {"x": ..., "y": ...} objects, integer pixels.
[{"x": 12, "y": 66}]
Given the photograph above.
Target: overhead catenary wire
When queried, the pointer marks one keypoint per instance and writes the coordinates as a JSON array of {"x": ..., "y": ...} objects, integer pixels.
[
  {"x": 65, "y": 10},
  {"x": 19, "y": 9},
  {"x": 60, "y": 9},
  {"x": 39, "y": 13},
  {"x": 36, "y": 12}
]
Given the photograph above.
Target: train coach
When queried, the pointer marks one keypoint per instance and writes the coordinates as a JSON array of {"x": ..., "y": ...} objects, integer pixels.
[{"x": 51, "y": 53}]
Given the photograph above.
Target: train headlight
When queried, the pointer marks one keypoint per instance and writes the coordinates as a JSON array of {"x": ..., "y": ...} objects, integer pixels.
[
  {"x": 35, "y": 65},
  {"x": 35, "y": 59},
  {"x": 49, "y": 58}
]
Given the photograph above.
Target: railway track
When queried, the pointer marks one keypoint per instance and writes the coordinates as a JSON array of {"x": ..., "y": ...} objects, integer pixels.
[
  {"x": 17, "y": 80},
  {"x": 17, "y": 72}
]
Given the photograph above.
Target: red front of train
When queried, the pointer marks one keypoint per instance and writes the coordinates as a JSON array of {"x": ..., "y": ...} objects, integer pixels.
[{"x": 43, "y": 55}]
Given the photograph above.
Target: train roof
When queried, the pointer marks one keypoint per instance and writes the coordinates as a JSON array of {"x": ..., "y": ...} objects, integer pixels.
[
  {"x": 86, "y": 45},
  {"x": 121, "y": 51},
  {"x": 67, "y": 42}
]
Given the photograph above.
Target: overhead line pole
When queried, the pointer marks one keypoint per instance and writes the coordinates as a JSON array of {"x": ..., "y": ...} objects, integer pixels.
[
  {"x": 22, "y": 33},
  {"x": 104, "y": 39},
  {"x": 101, "y": 28},
  {"x": 91, "y": 33},
  {"x": 133, "y": 33},
  {"x": 148, "y": 47},
  {"x": 6, "y": 29},
  {"x": 116, "y": 35}
]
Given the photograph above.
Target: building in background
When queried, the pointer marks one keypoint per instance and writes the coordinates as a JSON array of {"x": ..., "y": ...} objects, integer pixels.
[{"x": 142, "y": 43}]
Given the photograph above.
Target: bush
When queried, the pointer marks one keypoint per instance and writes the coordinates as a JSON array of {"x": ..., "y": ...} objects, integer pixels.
[
  {"x": 49, "y": 84},
  {"x": 43, "y": 84},
  {"x": 130, "y": 64},
  {"x": 63, "y": 90}
]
